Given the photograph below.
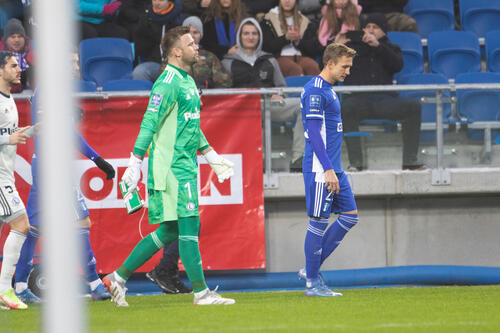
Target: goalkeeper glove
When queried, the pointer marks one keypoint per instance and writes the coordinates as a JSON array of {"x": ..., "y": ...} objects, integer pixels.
[
  {"x": 133, "y": 173},
  {"x": 222, "y": 167},
  {"x": 106, "y": 167}
]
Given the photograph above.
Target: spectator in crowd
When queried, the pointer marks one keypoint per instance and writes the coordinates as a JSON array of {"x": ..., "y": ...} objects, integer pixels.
[
  {"x": 393, "y": 10},
  {"x": 195, "y": 7},
  {"x": 130, "y": 13},
  {"x": 97, "y": 19},
  {"x": 222, "y": 18},
  {"x": 261, "y": 7},
  {"x": 339, "y": 16},
  {"x": 292, "y": 39},
  {"x": 207, "y": 72},
  {"x": 16, "y": 41},
  {"x": 161, "y": 16},
  {"x": 376, "y": 63},
  {"x": 250, "y": 67},
  {"x": 311, "y": 9},
  {"x": 28, "y": 18}
]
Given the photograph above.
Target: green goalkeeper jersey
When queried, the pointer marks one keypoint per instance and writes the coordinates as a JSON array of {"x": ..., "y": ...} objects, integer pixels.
[{"x": 171, "y": 124}]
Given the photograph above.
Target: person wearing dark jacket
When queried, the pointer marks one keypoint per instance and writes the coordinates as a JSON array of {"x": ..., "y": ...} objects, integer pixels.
[
  {"x": 376, "y": 63},
  {"x": 155, "y": 22},
  {"x": 195, "y": 7},
  {"x": 250, "y": 67},
  {"x": 393, "y": 10},
  {"x": 255, "y": 7},
  {"x": 292, "y": 39},
  {"x": 130, "y": 13}
]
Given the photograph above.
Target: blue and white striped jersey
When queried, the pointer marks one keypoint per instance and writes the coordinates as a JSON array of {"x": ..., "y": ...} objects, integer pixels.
[{"x": 319, "y": 101}]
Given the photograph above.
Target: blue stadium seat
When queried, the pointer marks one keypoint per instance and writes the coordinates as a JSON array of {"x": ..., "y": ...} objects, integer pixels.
[
  {"x": 492, "y": 41},
  {"x": 297, "y": 81},
  {"x": 428, "y": 132},
  {"x": 105, "y": 59},
  {"x": 479, "y": 16},
  {"x": 431, "y": 15},
  {"x": 127, "y": 85},
  {"x": 86, "y": 86},
  {"x": 411, "y": 46},
  {"x": 454, "y": 52},
  {"x": 479, "y": 105}
]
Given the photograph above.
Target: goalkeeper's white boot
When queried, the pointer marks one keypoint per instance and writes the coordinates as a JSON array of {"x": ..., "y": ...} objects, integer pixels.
[
  {"x": 116, "y": 289},
  {"x": 210, "y": 297}
]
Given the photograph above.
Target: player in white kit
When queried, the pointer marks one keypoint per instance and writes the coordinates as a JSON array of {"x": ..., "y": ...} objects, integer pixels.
[{"x": 12, "y": 210}]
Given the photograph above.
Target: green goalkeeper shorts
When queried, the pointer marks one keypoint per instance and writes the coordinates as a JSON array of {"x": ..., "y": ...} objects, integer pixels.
[{"x": 180, "y": 199}]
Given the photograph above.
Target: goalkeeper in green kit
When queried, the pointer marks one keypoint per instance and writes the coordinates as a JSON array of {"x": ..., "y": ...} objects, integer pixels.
[{"x": 171, "y": 125}]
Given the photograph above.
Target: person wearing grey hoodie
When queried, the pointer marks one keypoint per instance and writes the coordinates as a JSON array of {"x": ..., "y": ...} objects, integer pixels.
[{"x": 250, "y": 67}]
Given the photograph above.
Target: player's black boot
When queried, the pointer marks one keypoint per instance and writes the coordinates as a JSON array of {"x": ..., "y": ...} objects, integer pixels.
[
  {"x": 181, "y": 287},
  {"x": 162, "y": 280}
]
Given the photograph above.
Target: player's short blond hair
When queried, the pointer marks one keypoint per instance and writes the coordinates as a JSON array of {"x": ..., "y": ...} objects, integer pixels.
[{"x": 335, "y": 51}]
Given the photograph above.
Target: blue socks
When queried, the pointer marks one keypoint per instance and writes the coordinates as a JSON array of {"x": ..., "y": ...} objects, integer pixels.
[
  {"x": 336, "y": 233},
  {"x": 25, "y": 262},
  {"x": 320, "y": 244},
  {"x": 88, "y": 261},
  {"x": 312, "y": 246}
]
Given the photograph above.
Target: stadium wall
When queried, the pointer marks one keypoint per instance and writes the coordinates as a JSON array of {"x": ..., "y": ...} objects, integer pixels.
[{"x": 404, "y": 221}]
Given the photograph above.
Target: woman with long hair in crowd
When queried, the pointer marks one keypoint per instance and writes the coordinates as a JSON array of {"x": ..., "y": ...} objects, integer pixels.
[
  {"x": 339, "y": 16},
  {"x": 292, "y": 39},
  {"x": 221, "y": 21}
]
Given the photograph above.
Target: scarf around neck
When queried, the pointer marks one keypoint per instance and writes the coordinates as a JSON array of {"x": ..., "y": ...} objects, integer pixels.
[{"x": 222, "y": 34}]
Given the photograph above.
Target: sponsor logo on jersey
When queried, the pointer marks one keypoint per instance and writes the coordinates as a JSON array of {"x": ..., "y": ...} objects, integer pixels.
[
  {"x": 191, "y": 115},
  {"x": 190, "y": 206},
  {"x": 5, "y": 130},
  {"x": 156, "y": 100},
  {"x": 314, "y": 103},
  {"x": 339, "y": 127},
  {"x": 15, "y": 201}
]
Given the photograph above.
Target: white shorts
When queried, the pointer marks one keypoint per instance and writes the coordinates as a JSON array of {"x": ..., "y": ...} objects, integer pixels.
[{"x": 11, "y": 205}]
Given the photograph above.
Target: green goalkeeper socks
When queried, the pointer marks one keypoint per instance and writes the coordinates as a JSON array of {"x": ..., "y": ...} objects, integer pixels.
[
  {"x": 189, "y": 251},
  {"x": 147, "y": 247}
]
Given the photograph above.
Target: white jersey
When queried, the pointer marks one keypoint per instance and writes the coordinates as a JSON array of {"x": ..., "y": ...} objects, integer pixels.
[{"x": 8, "y": 125}]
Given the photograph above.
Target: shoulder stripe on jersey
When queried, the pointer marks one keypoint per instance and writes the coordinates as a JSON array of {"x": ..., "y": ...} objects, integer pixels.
[
  {"x": 168, "y": 78},
  {"x": 318, "y": 83},
  {"x": 5, "y": 204}
]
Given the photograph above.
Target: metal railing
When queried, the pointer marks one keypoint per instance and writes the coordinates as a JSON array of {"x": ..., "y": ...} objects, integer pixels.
[{"x": 440, "y": 176}]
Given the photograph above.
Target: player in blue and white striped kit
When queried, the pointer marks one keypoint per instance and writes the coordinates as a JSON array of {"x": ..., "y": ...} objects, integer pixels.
[
  {"x": 87, "y": 259},
  {"x": 326, "y": 186}
]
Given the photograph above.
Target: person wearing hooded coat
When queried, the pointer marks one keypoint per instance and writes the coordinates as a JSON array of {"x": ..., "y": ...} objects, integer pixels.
[{"x": 250, "y": 67}]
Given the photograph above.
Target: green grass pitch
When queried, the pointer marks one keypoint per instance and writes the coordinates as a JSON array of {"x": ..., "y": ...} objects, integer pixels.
[{"x": 429, "y": 309}]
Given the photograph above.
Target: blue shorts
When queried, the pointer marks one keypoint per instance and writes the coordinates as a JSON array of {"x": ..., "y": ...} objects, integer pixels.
[
  {"x": 33, "y": 206},
  {"x": 320, "y": 203}
]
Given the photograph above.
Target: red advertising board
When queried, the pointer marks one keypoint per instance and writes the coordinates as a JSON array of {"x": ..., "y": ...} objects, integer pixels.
[{"x": 232, "y": 213}]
